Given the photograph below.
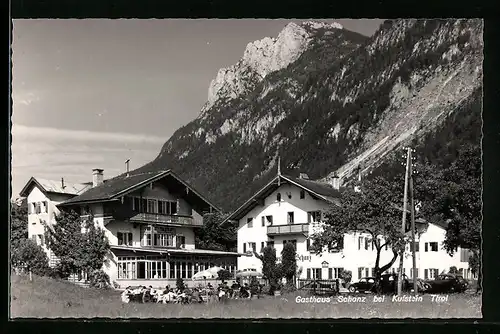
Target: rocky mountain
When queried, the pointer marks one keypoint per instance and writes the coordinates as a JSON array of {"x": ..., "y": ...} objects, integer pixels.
[{"x": 326, "y": 99}]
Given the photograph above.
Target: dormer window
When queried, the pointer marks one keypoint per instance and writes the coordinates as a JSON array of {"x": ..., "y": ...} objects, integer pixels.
[{"x": 278, "y": 197}]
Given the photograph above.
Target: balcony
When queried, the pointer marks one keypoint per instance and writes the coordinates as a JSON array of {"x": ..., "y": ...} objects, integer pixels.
[
  {"x": 165, "y": 219},
  {"x": 288, "y": 229}
]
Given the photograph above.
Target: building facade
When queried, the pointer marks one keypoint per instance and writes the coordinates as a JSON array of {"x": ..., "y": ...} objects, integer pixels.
[
  {"x": 150, "y": 221},
  {"x": 42, "y": 197},
  {"x": 291, "y": 209}
]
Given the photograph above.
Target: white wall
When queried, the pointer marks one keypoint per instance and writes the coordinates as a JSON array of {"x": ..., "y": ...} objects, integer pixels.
[{"x": 350, "y": 258}]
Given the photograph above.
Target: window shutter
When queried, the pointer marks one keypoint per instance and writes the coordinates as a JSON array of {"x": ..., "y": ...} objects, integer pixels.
[
  {"x": 330, "y": 273},
  {"x": 426, "y": 273},
  {"x": 42, "y": 241},
  {"x": 426, "y": 247},
  {"x": 360, "y": 272},
  {"x": 30, "y": 209},
  {"x": 261, "y": 246},
  {"x": 366, "y": 244},
  {"x": 308, "y": 273},
  {"x": 308, "y": 244},
  {"x": 263, "y": 221},
  {"x": 178, "y": 208},
  {"x": 120, "y": 238},
  {"x": 309, "y": 220},
  {"x": 130, "y": 238},
  {"x": 244, "y": 247},
  {"x": 359, "y": 242}
]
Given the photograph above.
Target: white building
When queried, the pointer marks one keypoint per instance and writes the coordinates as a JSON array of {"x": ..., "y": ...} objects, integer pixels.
[
  {"x": 149, "y": 219},
  {"x": 289, "y": 209},
  {"x": 42, "y": 197}
]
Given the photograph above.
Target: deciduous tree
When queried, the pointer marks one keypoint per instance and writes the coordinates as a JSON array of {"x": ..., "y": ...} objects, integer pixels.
[
  {"x": 212, "y": 235},
  {"x": 79, "y": 244},
  {"x": 373, "y": 210}
]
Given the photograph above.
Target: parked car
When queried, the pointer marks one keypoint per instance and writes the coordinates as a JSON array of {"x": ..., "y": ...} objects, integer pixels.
[
  {"x": 422, "y": 285},
  {"x": 447, "y": 283},
  {"x": 363, "y": 285},
  {"x": 389, "y": 283}
]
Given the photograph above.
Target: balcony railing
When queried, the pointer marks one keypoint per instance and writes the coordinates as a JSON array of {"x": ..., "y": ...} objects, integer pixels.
[
  {"x": 165, "y": 219},
  {"x": 288, "y": 229}
]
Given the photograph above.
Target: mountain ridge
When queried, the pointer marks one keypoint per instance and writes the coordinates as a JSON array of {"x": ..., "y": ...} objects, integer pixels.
[{"x": 345, "y": 100}]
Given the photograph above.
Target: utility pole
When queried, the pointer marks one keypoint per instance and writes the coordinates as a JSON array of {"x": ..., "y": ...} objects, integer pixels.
[
  {"x": 413, "y": 247},
  {"x": 403, "y": 224}
]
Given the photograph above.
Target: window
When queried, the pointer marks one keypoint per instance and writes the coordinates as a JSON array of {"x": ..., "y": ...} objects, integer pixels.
[
  {"x": 263, "y": 221},
  {"x": 302, "y": 194},
  {"x": 290, "y": 217},
  {"x": 44, "y": 208},
  {"x": 314, "y": 216},
  {"x": 278, "y": 197},
  {"x": 330, "y": 273},
  {"x": 124, "y": 238},
  {"x": 434, "y": 246},
  {"x": 367, "y": 243},
  {"x": 40, "y": 240},
  {"x": 308, "y": 271},
  {"x": 252, "y": 246},
  {"x": 152, "y": 206},
  {"x": 269, "y": 220},
  {"x": 360, "y": 241},
  {"x": 417, "y": 247},
  {"x": 180, "y": 241},
  {"x": 411, "y": 272},
  {"x": 464, "y": 255},
  {"x": 250, "y": 222},
  {"x": 360, "y": 272},
  {"x": 317, "y": 273},
  {"x": 367, "y": 272},
  {"x": 37, "y": 208},
  {"x": 432, "y": 273},
  {"x": 136, "y": 204}
]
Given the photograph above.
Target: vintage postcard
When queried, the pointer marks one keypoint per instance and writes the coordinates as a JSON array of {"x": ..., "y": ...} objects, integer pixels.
[{"x": 246, "y": 168}]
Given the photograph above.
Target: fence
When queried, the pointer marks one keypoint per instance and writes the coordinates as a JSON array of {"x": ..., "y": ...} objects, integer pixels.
[{"x": 319, "y": 287}]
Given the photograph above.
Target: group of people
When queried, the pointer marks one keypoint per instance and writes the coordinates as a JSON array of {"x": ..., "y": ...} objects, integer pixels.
[{"x": 186, "y": 295}]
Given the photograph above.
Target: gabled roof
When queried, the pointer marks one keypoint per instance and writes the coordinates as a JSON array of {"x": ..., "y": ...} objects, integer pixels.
[
  {"x": 124, "y": 184},
  {"x": 52, "y": 186},
  {"x": 318, "y": 189}
]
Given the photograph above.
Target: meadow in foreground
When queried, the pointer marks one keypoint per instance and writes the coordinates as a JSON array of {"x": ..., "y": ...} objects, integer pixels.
[{"x": 47, "y": 298}]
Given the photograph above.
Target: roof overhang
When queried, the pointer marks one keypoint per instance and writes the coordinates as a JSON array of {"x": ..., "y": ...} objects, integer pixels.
[
  {"x": 138, "y": 185},
  {"x": 266, "y": 191},
  {"x": 25, "y": 191}
]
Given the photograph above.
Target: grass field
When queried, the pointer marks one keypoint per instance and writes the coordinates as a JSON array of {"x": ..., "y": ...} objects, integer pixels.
[{"x": 47, "y": 298}]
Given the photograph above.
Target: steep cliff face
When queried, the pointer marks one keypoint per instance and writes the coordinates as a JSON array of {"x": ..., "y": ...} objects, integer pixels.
[
  {"x": 325, "y": 99},
  {"x": 261, "y": 58}
]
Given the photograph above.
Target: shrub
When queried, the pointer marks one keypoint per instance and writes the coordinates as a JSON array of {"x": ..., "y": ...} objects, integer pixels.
[
  {"x": 346, "y": 275},
  {"x": 224, "y": 275},
  {"x": 453, "y": 270},
  {"x": 99, "y": 279},
  {"x": 254, "y": 286},
  {"x": 28, "y": 256},
  {"x": 179, "y": 283}
]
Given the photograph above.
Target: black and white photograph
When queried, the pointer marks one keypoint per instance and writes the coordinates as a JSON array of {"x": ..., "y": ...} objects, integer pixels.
[{"x": 246, "y": 168}]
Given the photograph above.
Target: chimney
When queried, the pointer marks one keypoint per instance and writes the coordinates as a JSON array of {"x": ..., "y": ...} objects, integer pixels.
[
  {"x": 97, "y": 177},
  {"x": 303, "y": 176},
  {"x": 127, "y": 166},
  {"x": 62, "y": 183},
  {"x": 335, "y": 181}
]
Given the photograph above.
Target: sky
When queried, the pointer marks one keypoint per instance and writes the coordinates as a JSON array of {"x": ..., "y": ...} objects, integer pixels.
[{"x": 94, "y": 93}]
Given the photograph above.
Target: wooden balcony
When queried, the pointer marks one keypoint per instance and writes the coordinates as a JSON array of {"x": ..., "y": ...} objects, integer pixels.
[
  {"x": 165, "y": 219},
  {"x": 288, "y": 229}
]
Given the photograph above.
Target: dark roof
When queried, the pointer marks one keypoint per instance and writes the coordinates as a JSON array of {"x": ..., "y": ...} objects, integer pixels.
[
  {"x": 318, "y": 189},
  {"x": 121, "y": 185}
]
